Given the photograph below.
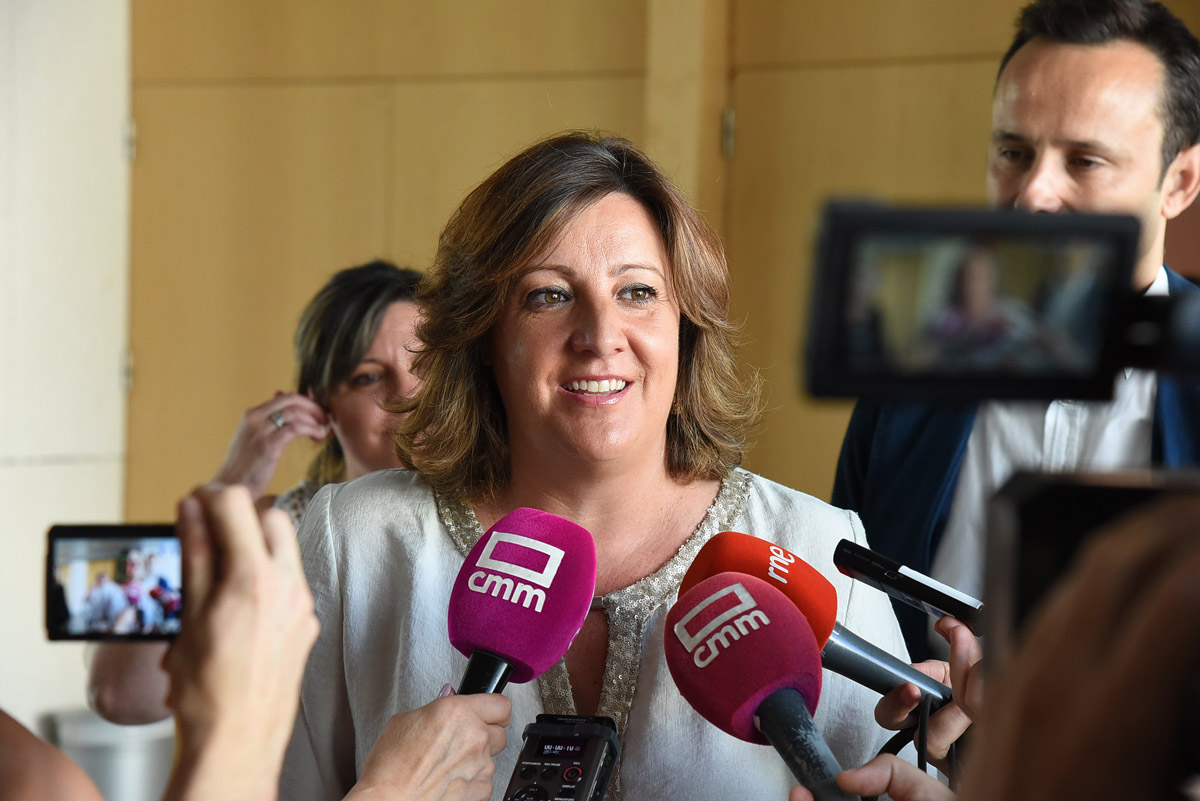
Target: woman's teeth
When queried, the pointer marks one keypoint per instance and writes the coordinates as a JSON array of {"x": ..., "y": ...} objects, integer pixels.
[{"x": 605, "y": 387}]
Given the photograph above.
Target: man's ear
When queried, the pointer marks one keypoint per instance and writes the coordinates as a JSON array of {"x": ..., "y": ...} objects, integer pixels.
[{"x": 1181, "y": 183}]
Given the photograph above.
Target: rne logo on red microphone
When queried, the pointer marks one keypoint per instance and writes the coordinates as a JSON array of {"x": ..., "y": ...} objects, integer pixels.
[
  {"x": 740, "y": 618},
  {"x": 518, "y": 557},
  {"x": 778, "y": 562}
]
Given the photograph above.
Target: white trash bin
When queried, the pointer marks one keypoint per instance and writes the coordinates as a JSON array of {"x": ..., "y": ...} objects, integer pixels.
[{"x": 127, "y": 763}]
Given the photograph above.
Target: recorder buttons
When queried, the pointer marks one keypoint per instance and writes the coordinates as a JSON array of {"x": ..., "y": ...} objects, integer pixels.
[
  {"x": 572, "y": 774},
  {"x": 533, "y": 792},
  {"x": 528, "y": 771}
]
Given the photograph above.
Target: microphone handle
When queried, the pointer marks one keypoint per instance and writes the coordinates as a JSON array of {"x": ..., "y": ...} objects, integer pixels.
[
  {"x": 486, "y": 673},
  {"x": 858, "y": 660},
  {"x": 783, "y": 719}
]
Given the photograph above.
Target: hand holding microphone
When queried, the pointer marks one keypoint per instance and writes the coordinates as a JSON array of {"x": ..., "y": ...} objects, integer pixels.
[
  {"x": 520, "y": 598},
  {"x": 889, "y": 774},
  {"x": 441, "y": 751}
]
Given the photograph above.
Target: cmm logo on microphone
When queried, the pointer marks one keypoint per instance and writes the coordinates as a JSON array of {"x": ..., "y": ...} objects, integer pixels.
[
  {"x": 741, "y": 616},
  {"x": 518, "y": 563}
]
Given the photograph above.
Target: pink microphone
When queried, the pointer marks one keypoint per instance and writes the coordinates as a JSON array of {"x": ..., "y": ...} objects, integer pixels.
[
  {"x": 745, "y": 658},
  {"x": 520, "y": 598}
]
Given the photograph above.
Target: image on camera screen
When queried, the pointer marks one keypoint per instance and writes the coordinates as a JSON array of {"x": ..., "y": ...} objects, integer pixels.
[
  {"x": 100, "y": 588},
  {"x": 962, "y": 305}
]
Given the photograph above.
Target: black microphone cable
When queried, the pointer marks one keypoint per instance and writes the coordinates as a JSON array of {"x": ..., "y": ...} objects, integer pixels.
[{"x": 921, "y": 731}]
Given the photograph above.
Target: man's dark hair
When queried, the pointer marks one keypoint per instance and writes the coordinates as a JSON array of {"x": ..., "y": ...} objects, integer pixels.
[{"x": 1150, "y": 24}]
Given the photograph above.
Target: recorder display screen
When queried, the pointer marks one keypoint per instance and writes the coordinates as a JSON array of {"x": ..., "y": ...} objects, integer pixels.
[{"x": 568, "y": 747}]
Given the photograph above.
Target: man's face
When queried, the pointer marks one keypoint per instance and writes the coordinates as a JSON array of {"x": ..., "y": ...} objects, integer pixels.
[{"x": 1078, "y": 128}]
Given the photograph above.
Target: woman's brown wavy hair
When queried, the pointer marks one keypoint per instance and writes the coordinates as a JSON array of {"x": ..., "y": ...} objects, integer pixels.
[{"x": 456, "y": 433}]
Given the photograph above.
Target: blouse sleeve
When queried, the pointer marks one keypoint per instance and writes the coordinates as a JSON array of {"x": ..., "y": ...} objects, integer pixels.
[{"x": 319, "y": 763}]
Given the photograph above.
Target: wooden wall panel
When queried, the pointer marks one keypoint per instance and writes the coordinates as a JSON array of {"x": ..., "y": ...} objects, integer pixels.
[
  {"x": 449, "y": 137},
  {"x": 244, "y": 201},
  {"x": 901, "y": 133},
  {"x": 315, "y": 39},
  {"x": 781, "y": 33}
]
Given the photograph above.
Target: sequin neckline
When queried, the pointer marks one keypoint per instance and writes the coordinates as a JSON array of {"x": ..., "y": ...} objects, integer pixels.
[{"x": 628, "y": 608}]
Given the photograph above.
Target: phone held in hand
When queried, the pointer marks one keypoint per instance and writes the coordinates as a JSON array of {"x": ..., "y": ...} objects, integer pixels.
[
  {"x": 907, "y": 585},
  {"x": 113, "y": 582}
]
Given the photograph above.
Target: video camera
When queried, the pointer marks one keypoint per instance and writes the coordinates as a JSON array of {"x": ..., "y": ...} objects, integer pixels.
[{"x": 933, "y": 305}]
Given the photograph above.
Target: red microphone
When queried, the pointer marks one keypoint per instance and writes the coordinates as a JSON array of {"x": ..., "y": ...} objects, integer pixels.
[
  {"x": 745, "y": 658},
  {"x": 842, "y": 651},
  {"x": 520, "y": 598}
]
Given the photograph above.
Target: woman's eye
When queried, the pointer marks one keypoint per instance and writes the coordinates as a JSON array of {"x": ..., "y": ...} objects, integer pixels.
[
  {"x": 641, "y": 293},
  {"x": 548, "y": 296},
  {"x": 365, "y": 379}
]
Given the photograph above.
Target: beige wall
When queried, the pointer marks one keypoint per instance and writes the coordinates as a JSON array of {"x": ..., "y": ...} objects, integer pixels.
[{"x": 64, "y": 220}]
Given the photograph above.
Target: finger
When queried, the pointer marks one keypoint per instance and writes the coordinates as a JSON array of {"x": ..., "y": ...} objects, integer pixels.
[
  {"x": 294, "y": 405},
  {"x": 936, "y": 669},
  {"x": 799, "y": 793},
  {"x": 892, "y": 775},
  {"x": 896, "y": 710},
  {"x": 234, "y": 527},
  {"x": 279, "y": 535},
  {"x": 491, "y": 708},
  {"x": 197, "y": 555},
  {"x": 307, "y": 421},
  {"x": 310, "y": 406},
  {"x": 497, "y": 739},
  {"x": 965, "y": 654},
  {"x": 945, "y": 727}
]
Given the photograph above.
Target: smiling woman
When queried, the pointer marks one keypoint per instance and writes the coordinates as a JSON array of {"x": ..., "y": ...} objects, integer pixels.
[
  {"x": 590, "y": 332},
  {"x": 576, "y": 357}
]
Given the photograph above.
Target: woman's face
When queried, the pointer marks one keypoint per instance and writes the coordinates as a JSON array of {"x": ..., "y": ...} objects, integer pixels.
[
  {"x": 361, "y": 426},
  {"x": 586, "y": 350}
]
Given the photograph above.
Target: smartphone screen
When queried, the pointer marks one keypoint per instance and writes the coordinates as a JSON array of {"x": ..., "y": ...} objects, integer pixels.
[{"x": 107, "y": 582}]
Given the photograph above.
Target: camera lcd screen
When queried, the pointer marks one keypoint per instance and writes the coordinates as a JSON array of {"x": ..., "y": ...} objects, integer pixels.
[
  {"x": 927, "y": 303},
  {"x": 113, "y": 582}
]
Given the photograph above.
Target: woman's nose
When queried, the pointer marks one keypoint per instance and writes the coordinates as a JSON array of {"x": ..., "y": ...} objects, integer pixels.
[{"x": 598, "y": 329}]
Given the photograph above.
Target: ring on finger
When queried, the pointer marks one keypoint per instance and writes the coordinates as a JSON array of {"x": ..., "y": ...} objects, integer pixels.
[{"x": 278, "y": 419}]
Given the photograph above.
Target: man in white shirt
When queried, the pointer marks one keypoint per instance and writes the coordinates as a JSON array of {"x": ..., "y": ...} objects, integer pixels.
[{"x": 1096, "y": 109}]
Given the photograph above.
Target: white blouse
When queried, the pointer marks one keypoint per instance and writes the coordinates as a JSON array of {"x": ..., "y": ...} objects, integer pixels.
[{"x": 381, "y": 554}]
